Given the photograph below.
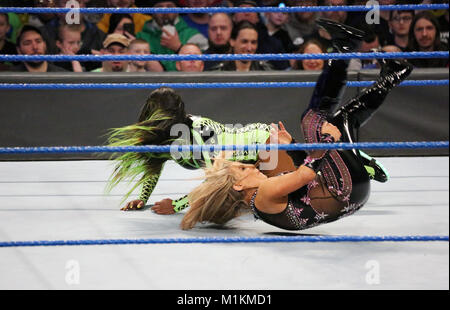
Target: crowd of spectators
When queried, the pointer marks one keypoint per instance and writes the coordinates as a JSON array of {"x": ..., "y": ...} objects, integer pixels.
[{"x": 218, "y": 33}]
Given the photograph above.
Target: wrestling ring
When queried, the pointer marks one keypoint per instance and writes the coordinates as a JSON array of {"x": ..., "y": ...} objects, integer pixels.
[{"x": 58, "y": 230}]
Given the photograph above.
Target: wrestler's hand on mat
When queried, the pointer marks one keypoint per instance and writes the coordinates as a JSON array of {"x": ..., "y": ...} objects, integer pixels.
[
  {"x": 332, "y": 130},
  {"x": 163, "y": 207},
  {"x": 279, "y": 134},
  {"x": 133, "y": 205}
]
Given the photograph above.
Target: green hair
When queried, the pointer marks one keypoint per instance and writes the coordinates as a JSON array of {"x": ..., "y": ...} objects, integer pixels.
[{"x": 163, "y": 109}]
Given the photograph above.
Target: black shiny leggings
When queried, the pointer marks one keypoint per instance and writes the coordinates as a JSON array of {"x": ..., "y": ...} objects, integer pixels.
[
  {"x": 329, "y": 87},
  {"x": 325, "y": 100}
]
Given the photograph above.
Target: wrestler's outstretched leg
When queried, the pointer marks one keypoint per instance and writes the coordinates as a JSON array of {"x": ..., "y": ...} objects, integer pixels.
[
  {"x": 330, "y": 85},
  {"x": 360, "y": 109}
]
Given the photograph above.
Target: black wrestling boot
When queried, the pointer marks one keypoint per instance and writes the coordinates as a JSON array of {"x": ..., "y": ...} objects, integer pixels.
[
  {"x": 360, "y": 109},
  {"x": 345, "y": 39},
  {"x": 331, "y": 84},
  {"x": 330, "y": 87}
]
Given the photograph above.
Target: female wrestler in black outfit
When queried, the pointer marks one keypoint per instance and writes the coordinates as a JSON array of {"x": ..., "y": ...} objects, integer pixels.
[{"x": 327, "y": 185}]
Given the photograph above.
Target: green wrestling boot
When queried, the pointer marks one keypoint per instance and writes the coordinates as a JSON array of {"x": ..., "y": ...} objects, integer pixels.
[{"x": 374, "y": 168}]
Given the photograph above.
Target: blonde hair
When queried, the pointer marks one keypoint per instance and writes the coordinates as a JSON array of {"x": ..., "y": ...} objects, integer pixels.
[
  {"x": 138, "y": 41},
  {"x": 68, "y": 27},
  {"x": 215, "y": 200}
]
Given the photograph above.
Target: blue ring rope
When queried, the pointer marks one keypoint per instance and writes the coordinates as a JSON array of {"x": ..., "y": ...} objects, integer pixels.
[
  {"x": 215, "y": 148},
  {"x": 222, "y": 57},
  {"x": 54, "y": 86},
  {"x": 354, "y": 8},
  {"x": 226, "y": 240}
]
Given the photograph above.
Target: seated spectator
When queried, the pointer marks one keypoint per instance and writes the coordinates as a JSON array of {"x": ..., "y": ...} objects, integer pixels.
[
  {"x": 15, "y": 24},
  {"x": 443, "y": 25},
  {"x": 266, "y": 43},
  {"x": 320, "y": 34},
  {"x": 91, "y": 37},
  {"x": 301, "y": 24},
  {"x": 167, "y": 33},
  {"x": 40, "y": 20},
  {"x": 391, "y": 49},
  {"x": 6, "y": 47},
  {"x": 370, "y": 43},
  {"x": 184, "y": 3},
  {"x": 358, "y": 19},
  {"x": 383, "y": 29},
  {"x": 269, "y": 2},
  {"x": 122, "y": 24},
  {"x": 309, "y": 47},
  {"x": 69, "y": 43},
  {"x": 95, "y": 18},
  {"x": 424, "y": 36},
  {"x": 219, "y": 34},
  {"x": 223, "y": 3},
  {"x": 114, "y": 44},
  {"x": 251, "y": 17},
  {"x": 275, "y": 22},
  {"x": 244, "y": 40},
  {"x": 338, "y": 16},
  {"x": 138, "y": 19},
  {"x": 198, "y": 21},
  {"x": 141, "y": 47},
  {"x": 16, "y": 3},
  {"x": 31, "y": 42},
  {"x": 190, "y": 65},
  {"x": 381, "y": 26},
  {"x": 400, "y": 22}
]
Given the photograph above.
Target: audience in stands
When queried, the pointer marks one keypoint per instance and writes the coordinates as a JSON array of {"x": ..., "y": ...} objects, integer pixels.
[
  {"x": 167, "y": 33},
  {"x": 371, "y": 43},
  {"x": 424, "y": 36},
  {"x": 219, "y": 34},
  {"x": 275, "y": 23},
  {"x": 49, "y": 33},
  {"x": 244, "y": 40},
  {"x": 399, "y": 23},
  {"x": 309, "y": 47},
  {"x": 68, "y": 42},
  {"x": 382, "y": 28},
  {"x": 114, "y": 44},
  {"x": 301, "y": 24},
  {"x": 198, "y": 21},
  {"x": 91, "y": 37},
  {"x": 6, "y": 46},
  {"x": 40, "y": 20},
  {"x": 138, "y": 19},
  {"x": 443, "y": 24},
  {"x": 267, "y": 44},
  {"x": 141, "y": 47},
  {"x": 122, "y": 24},
  {"x": 31, "y": 42},
  {"x": 190, "y": 65}
]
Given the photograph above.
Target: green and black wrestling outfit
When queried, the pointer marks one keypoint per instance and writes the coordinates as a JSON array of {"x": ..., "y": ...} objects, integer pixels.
[{"x": 206, "y": 131}]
